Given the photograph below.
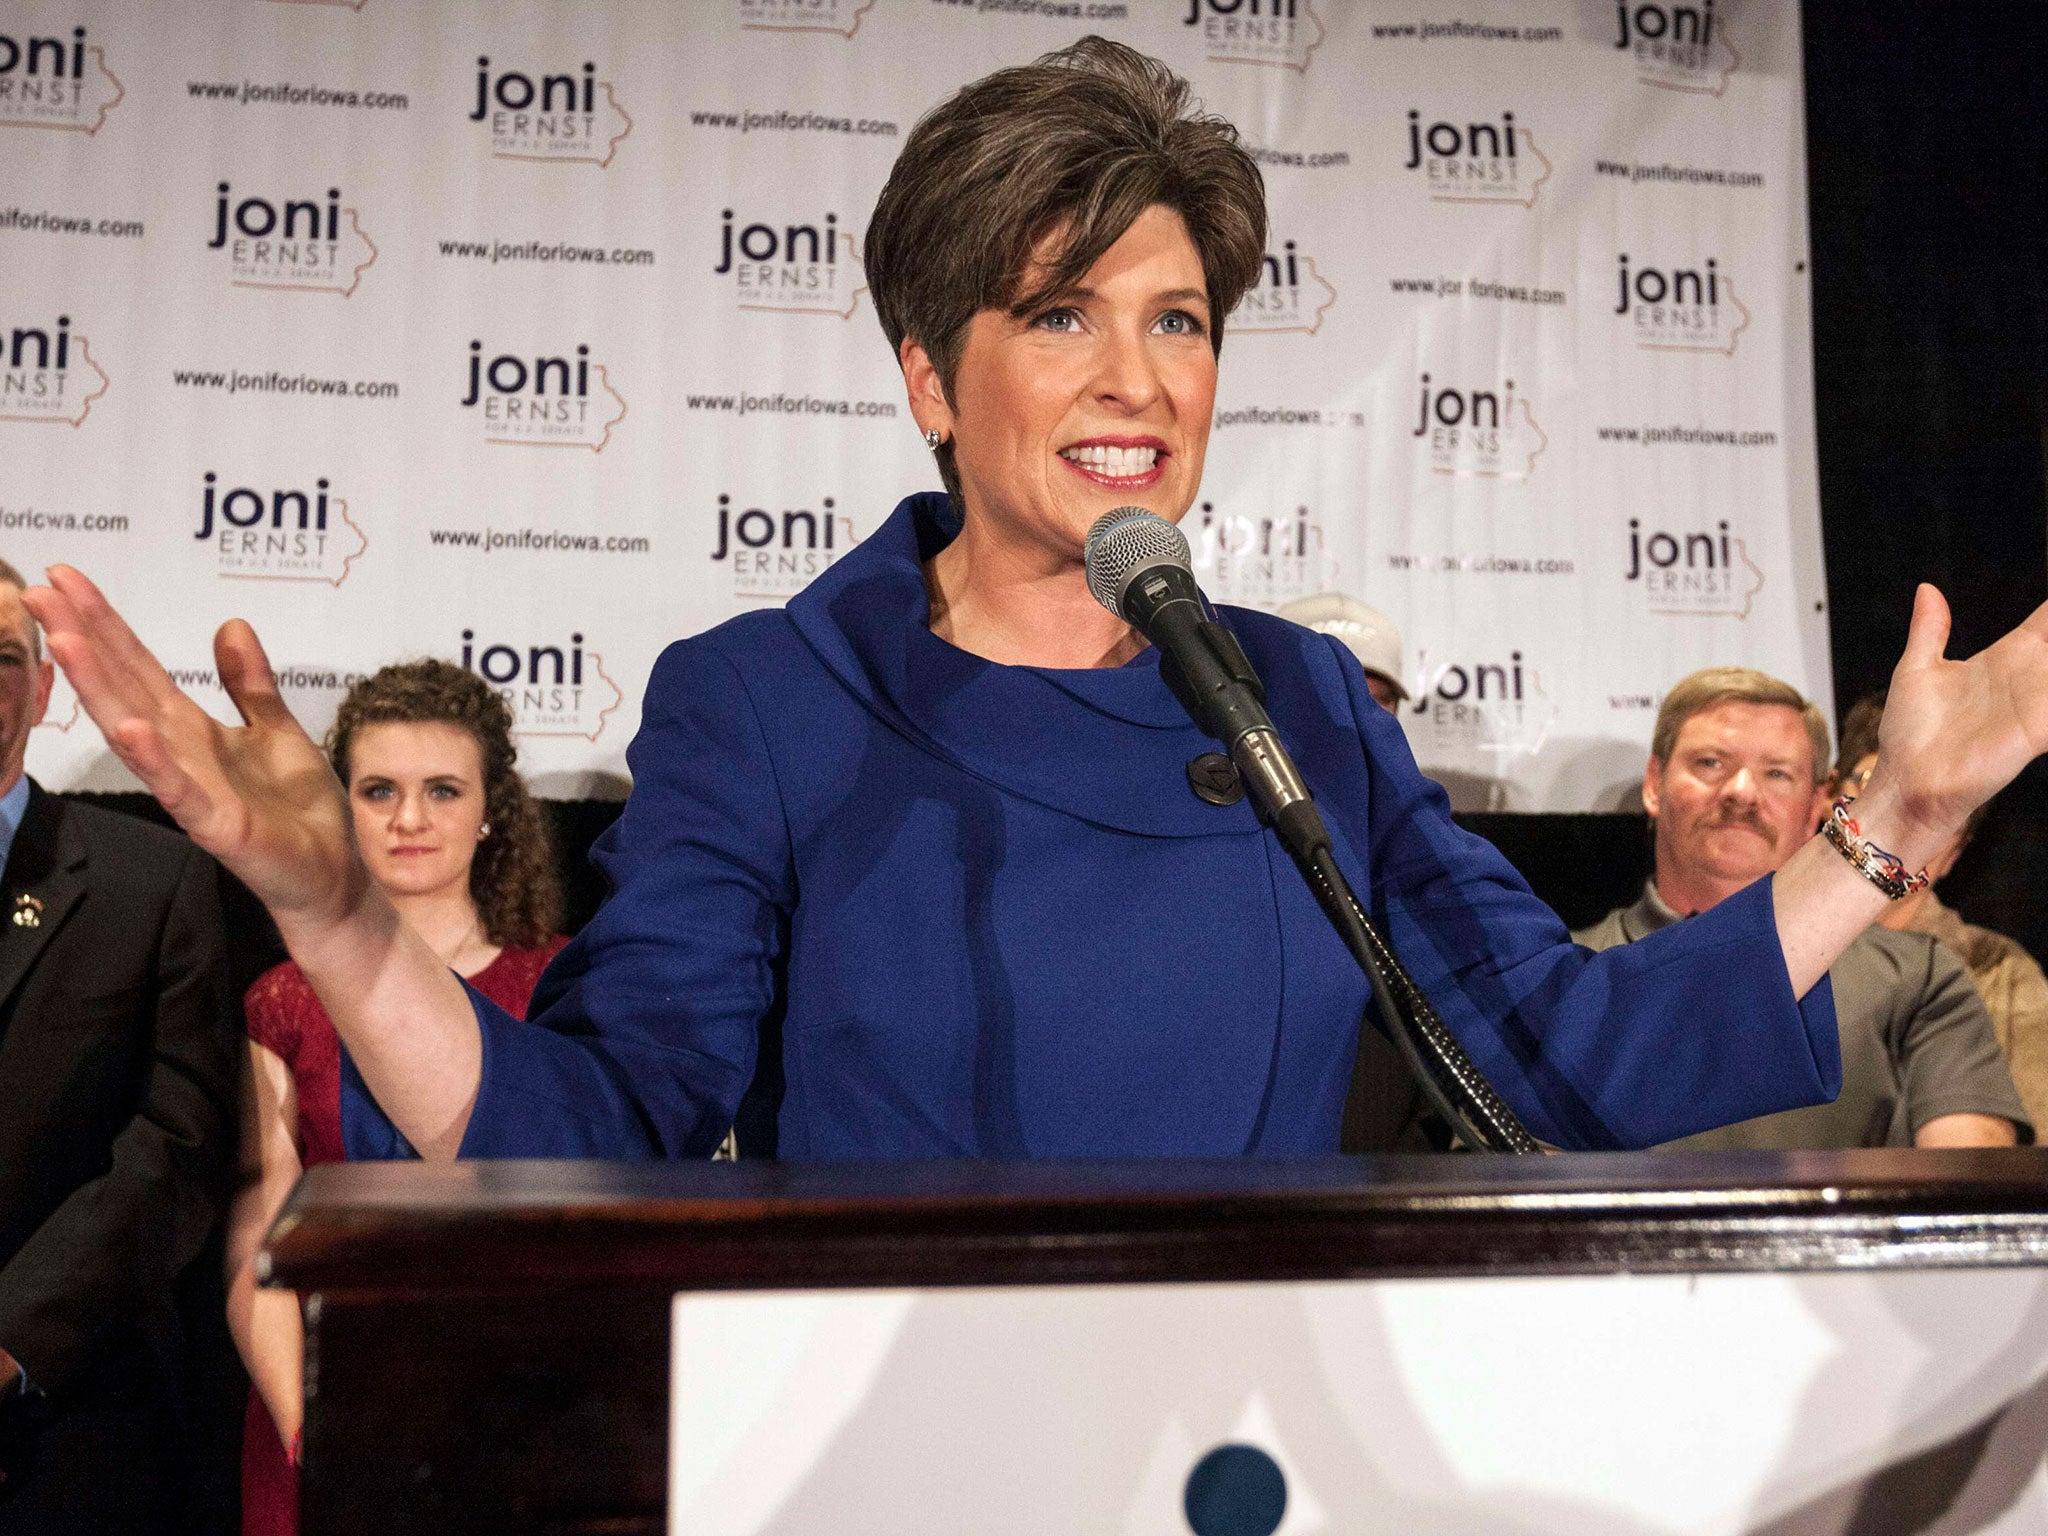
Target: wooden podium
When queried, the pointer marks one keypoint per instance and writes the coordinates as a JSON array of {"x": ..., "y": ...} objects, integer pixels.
[{"x": 487, "y": 1343}]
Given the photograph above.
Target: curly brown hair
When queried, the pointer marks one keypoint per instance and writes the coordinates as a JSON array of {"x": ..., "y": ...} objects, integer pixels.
[{"x": 512, "y": 879}]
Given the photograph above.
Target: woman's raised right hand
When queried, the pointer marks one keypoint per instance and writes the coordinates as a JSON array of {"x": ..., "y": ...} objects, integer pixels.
[{"x": 261, "y": 798}]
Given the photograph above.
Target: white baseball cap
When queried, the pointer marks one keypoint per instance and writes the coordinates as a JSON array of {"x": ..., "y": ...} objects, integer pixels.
[{"x": 1369, "y": 633}]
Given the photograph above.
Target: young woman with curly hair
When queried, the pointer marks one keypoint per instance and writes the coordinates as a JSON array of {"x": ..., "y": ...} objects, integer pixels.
[{"x": 447, "y": 829}]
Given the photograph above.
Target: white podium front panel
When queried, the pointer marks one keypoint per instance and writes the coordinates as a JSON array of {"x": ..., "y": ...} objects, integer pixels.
[{"x": 1737, "y": 1403}]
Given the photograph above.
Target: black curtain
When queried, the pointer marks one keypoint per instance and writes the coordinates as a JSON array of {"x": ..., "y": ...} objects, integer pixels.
[{"x": 1925, "y": 147}]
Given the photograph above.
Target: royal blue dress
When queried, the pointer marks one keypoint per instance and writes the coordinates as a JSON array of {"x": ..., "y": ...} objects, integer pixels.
[{"x": 985, "y": 915}]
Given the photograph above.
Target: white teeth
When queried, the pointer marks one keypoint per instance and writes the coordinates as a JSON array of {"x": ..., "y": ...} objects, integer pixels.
[{"x": 1116, "y": 463}]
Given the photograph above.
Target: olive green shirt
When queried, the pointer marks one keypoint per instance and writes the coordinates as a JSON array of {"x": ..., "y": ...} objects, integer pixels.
[
  {"x": 1917, "y": 1044},
  {"x": 2014, "y": 992}
]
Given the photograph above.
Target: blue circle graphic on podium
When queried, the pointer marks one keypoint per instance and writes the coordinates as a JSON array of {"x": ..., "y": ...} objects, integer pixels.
[{"x": 1235, "y": 1490}]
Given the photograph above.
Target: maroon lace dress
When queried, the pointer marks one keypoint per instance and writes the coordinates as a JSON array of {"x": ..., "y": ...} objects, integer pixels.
[{"x": 285, "y": 1017}]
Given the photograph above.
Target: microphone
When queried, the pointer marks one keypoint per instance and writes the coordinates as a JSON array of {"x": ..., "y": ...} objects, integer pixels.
[{"x": 1139, "y": 569}]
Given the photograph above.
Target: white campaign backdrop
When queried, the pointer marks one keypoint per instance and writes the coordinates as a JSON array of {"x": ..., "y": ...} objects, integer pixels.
[{"x": 1529, "y": 369}]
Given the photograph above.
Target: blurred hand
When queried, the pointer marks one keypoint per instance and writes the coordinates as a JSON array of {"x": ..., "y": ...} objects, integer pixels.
[
  {"x": 1954, "y": 732},
  {"x": 260, "y": 798}
]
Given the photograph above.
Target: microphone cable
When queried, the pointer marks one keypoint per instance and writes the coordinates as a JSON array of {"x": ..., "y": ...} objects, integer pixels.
[{"x": 1458, "y": 1090}]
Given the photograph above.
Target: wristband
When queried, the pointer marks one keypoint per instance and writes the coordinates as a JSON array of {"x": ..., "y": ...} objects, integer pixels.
[{"x": 1884, "y": 870}]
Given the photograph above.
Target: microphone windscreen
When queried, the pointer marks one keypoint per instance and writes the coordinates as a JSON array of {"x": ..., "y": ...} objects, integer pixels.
[{"x": 1125, "y": 542}]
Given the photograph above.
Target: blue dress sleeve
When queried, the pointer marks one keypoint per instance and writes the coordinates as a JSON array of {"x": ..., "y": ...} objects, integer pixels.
[
  {"x": 643, "y": 1030},
  {"x": 1695, "y": 1026}
]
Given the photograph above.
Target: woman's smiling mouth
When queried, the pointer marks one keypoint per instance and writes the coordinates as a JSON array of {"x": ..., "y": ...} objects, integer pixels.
[{"x": 1120, "y": 466}]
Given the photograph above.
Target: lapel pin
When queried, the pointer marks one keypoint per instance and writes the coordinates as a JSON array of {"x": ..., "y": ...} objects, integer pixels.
[{"x": 28, "y": 911}]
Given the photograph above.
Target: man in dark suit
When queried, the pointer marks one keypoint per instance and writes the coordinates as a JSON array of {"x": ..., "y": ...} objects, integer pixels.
[{"x": 117, "y": 1138}]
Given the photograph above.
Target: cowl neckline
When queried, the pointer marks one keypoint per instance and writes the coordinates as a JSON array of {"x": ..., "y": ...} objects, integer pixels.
[{"x": 1109, "y": 745}]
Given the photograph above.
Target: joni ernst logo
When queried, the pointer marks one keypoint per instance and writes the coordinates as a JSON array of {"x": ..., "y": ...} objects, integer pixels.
[
  {"x": 1487, "y": 433},
  {"x": 57, "y": 82},
  {"x": 840, "y": 16},
  {"x": 1676, "y": 47},
  {"x": 283, "y": 535},
  {"x": 559, "y": 117},
  {"x": 775, "y": 554},
  {"x": 812, "y": 268},
  {"x": 1290, "y": 295},
  {"x": 1491, "y": 704},
  {"x": 1494, "y": 161},
  {"x": 1259, "y": 561},
  {"x": 47, "y": 374},
  {"x": 308, "y": 244},
  {"x": 1693, "y": 570},
  {"x": 1679, "y": 309},
  {"x": 553, "y": 689},
  {"x": 564, "y": 401},
  {"x": 1283, "y": 34}
]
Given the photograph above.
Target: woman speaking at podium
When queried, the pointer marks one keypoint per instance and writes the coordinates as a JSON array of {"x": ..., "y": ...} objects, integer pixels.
[{"x": 927, "y": 838}]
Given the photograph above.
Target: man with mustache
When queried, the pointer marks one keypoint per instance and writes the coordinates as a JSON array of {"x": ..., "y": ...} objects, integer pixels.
[{"x": 1737, "y": 780}]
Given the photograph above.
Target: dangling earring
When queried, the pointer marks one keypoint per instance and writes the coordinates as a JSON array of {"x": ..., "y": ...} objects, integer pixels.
[{"x": 932, "y": 438}]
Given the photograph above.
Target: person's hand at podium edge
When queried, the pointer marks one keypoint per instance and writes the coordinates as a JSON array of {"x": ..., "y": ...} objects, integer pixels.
[{"x": 262, "y": 799}]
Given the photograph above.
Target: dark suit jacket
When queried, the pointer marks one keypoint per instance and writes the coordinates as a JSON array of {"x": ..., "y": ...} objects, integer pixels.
[{"x": 118, "y": 1058}]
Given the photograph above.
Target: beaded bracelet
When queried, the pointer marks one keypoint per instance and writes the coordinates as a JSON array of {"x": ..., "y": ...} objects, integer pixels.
[{"x": 1884, "y": 870}]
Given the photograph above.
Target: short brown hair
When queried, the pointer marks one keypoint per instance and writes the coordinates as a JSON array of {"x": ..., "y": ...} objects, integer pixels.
[
  {"x": 1740, "y": 685},
  {"x": 1859, "y": 732},
  {"x": 512, "y": 879},
  {"x": 1076, "y": 145}
]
